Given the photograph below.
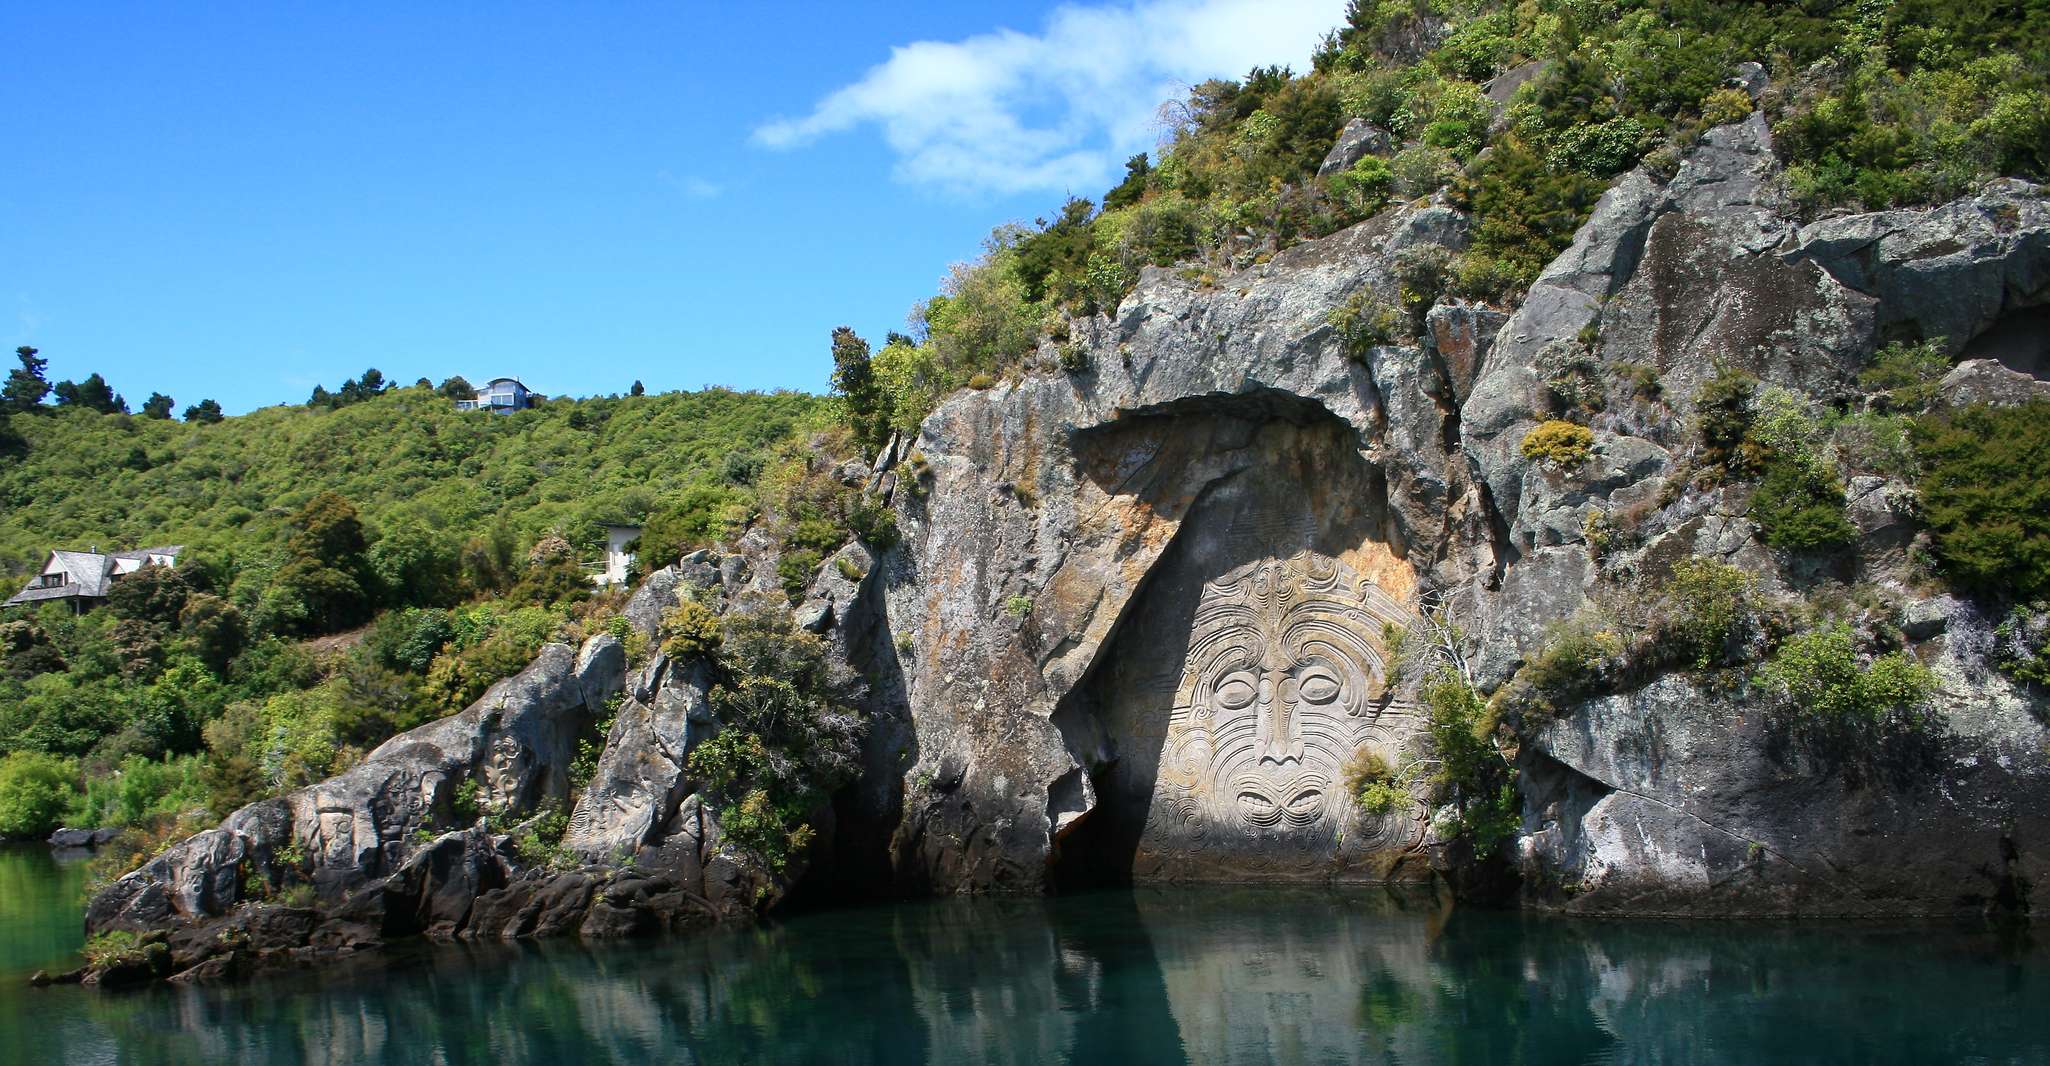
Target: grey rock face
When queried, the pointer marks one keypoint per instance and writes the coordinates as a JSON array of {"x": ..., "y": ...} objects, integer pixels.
[
  {"x": 1068, "y": 532},
  {"x": 1672, "y": 800},
  {"x": 1358, "y": 140},
  {"x": 640, "y": 780},
  {"x": 515, "y": 743}
]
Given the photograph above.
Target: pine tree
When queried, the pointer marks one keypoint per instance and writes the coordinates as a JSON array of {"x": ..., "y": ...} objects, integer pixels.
[
  {"x": 26, "y": 386},
  {"x": 93, "y": 394},
  {"x": 854, "y": 378},
  {"x": 638, "y": 390},
  {"x": 205, "y": 411},
  {"x": 158, "y": 406}
]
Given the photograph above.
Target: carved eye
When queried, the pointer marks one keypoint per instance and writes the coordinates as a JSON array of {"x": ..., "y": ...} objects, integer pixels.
[
  {"x": 1319, "y": 688},
  {"x": 1236, "y": 691}
]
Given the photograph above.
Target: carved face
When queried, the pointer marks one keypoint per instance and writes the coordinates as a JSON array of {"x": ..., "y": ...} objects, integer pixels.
[{"x": 1284, "y": 676}]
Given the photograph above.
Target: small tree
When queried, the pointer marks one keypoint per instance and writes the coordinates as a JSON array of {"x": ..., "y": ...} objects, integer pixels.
[
  {"x": 328, "y": 574},
  {"x": 458, "y": 387},
  {"x": 26, "y": 386},
  {"x": 638, "y": 389},
  {"x": 205, "y": 412},
  {"x": 93, "y": 394},
  {"x": 158, "y": 406},
  {"x": 854, "y": 379}
]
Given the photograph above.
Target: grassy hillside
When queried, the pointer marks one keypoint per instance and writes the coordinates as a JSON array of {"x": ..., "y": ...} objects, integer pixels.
[
  {"x": 351, "y": 571},
  {"x": 406, "y": 459}
]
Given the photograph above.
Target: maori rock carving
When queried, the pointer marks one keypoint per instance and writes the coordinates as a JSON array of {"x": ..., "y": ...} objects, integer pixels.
[{"x": 1286, "y": 677}]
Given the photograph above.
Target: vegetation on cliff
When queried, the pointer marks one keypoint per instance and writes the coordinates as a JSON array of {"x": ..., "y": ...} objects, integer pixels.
[{"x": 1520, "y": 114}]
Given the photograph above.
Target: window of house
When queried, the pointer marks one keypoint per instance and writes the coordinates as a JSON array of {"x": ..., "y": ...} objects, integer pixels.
[{"x": 50, "y": 581}]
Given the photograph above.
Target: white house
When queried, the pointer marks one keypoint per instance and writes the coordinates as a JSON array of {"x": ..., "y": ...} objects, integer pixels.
[
  {"x": 501, "y": 396},
  {"x": 82, "y": 579},
  {"x": 612, "y": 571}
]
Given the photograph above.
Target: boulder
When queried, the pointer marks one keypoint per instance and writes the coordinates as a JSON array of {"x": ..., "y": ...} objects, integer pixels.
[{"x": 1358, "y": 140}]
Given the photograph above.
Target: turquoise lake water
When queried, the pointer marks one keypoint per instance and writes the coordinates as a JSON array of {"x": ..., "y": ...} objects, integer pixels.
[{"x": 1183, "y": 975}]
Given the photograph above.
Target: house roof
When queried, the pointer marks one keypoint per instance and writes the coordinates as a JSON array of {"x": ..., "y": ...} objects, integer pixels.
[
  {"x": 143, "y": 554},
  {"x": 88, "y": 573},
  {"x": 515, "y": 381}
]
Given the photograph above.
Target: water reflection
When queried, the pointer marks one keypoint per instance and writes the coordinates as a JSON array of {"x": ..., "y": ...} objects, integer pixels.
[{"x": 1188, "y": 975}]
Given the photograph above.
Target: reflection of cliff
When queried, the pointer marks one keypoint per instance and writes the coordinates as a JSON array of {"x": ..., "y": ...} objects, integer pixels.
[
  {"x": 1160, "y": 975},
  {"x": 1258, "y": 976}
]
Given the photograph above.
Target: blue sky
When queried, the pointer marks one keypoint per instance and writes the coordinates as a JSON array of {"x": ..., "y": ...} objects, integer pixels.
[{"x": 241, "y": 201}]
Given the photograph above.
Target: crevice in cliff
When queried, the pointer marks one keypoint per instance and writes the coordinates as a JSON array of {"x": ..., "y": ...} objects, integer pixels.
[{"x": 2019, "y": 340}]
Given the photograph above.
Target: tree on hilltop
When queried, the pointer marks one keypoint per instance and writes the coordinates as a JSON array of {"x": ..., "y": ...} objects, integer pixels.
[
  {"x": 854, "y": 378},
  {"x": 27, "y": 385}
]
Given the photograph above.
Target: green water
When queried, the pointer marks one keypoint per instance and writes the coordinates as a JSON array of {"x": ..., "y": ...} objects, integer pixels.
[{"x": 1234, "y": 976}]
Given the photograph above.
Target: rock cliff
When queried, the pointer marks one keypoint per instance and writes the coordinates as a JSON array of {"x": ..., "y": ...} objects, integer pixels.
[{"x": 1147, "y": 612}]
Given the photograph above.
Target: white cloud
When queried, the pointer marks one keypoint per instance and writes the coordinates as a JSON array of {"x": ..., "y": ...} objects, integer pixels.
[
  {"x": 691, "y": 185},
  {"x": 1010, "y": 112}
]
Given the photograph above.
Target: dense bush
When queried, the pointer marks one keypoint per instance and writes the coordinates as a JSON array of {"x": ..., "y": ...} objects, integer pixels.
[
  {"x": 35, "y": 791},
  {"x": 459, "y": 490},
  {"x": 1561, "y": 445},
  {"x": 1819, "y": 674},
  {"x": 786, "y": 740},
  {"x": 1799, "y": 506},
  {"x": 1985, "y": 492},
  {"x": 1469, "y": 776},
  {"x": 1711, "y": 602}
]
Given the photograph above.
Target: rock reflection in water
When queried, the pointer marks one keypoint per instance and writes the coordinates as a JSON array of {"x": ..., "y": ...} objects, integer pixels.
[{"x": 1170, "y": 975}]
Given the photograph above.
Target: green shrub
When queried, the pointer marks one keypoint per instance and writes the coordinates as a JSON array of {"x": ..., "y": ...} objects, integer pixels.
[
  {"x": 1818, "y": 674},
  {"x": 1470, "y": 775},
  {"x": 539, "y": 841},
  {"x": 102, "y": 950},
  {"x": 1420, "y": 170},
  {"x": 2021, "y": 645},
  {"x": 1722, "y": 419},
  {"x": 1985, "y": 493},
  {"x": 1561, "y": 445},
  {"x": 1018, "y": 606},
  {"x": 1487, "y": 279},
  {"x": 145, "y": 790},
  {"x": 1868, "y": 442},
  {"x": 1365, "y": 322},
  {"x": 1376, "y": 787},
  {"x": 795, "y": 569},
  {"x": 1725, "y": 106},
  {"x": 1710, "y": 601},
  {"x": 690, "y": 630},
  {"x": 786, "y": 739},
  {"x": 1580, "y": 657},
  {"x": 35, "y": 791},
  {"x": 1363, "y": 187},
  {"x": 1799, "y": 506},
  {"x": 1904, "y": 376}
]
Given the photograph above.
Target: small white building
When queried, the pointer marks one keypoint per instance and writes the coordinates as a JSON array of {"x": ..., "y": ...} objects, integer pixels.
[{"x": 618, "y": 556}]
